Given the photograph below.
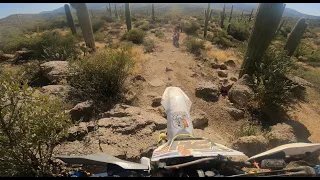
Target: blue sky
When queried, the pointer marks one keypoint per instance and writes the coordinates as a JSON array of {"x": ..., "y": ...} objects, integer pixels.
[{"x": 13, "y": 8}]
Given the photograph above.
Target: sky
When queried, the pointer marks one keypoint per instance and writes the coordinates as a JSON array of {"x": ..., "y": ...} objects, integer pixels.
[{"x": 7, "y": 9}]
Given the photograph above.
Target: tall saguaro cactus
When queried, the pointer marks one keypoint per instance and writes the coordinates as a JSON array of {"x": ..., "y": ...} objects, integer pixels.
[
  {"x": 223, "y": 15},
  {"x": 279, "y": 28},
  {"x": 251, "y": 15},
  {"x": 265, "y": 25},
  {"x": 241, "y": 16},
  {"x": 231, "y": 13},
  {"x": 70, "y": 19},
  {"x": 128, "y": 16},
  {"x": 295, "y": 36},
  {"x": 115, "y": 10},
  {"x": 207, "y": 14},
  {"x": 110, "y": 9},
  {"x": 153, "y": 17},
  {"x": 85, "y": 24}
]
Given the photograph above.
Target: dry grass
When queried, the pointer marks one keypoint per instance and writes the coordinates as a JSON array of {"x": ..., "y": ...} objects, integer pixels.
[
  {"x": 139, "y": 58},
  {"x": 222, "y": 55}
]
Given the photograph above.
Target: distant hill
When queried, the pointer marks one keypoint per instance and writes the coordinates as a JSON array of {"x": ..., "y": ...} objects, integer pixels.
[{"x": 237, "y": 6}]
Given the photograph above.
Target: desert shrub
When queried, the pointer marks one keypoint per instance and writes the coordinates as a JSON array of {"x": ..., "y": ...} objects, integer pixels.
[
  {"x": 107, "y": 19},
  {"x": 136, "y": 36},
  {"x": 97, "y": 25},
  {"x": 133, "y": 18},
  {"x": 191, "y": 28},
  {"x": 302, "y": 49},
  {"x": 195, "y": 45},
  {"x": 101, "y": 76},
  {"x": 99, "y": 36},
  {"x": 31, "y": 125},
  {"x": 138, "y": 23},
  {"x": 239, "y": 31},
  {"x": 11, "y": 41},
  {"x": 221, "y": 38},
  {"x": 159, "y": 34},
  {"x": 249, "y": 128},
  {"x": 273, "y": 91},
  {"x": 53, "y": 45},
  {"x": 145, "y": 26},
  {"x": 148, "y": 45},
  {"x": 314, "y": 59}
]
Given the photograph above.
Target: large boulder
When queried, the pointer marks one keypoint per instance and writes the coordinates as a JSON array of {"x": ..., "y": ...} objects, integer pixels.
[
  {"x": 61, "y": 91},
  {"x": 126, "y": 132},
  {"x": 250, "y": 145},
  {"x": 281, "y": 134},
  {"x": 207, "y": 91},
  {"x": 82, "y": 111},
  {"x": 235, "y": 113},
  {"x": 300, "y": 82},
  {"x": 199, "y": 119},
  {"x": 55, "y": 71},
  {"x": 240, "y": 92}
]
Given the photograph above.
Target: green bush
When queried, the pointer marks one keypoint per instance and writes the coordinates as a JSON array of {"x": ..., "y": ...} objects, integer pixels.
[
  {"x": 53, "y": 45},
  {"x": 249, "y": 129},
  {"x": 159, "y": 34},
  {"x": 221, "y": 38},
  {"x": 136, "y": 36},
  {"x": 97, "y": 25},
  {"x": 191, "y": 28},
  {"x": 239, "y": 31},
  {"x": 145, "y": 26},
  {"x": 99, "y": 36},
  {"x": 314, "y": 59},
  {"x": 11, "y": 41},
  {"x": 302, "y": 49},
  {"x": 31, "y": 126},
  {"x": 195, "y": 45},
  {"x": 148, "y": 45},
  {"x": 273, "y": 91},
  {"x": 108, "y": 19},
  {"x": 101, "y": 76}
]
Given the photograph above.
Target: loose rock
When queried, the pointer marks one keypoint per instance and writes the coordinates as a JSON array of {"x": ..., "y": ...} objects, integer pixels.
[
  {"x": 230, "y": 63},
  {"x": 156, "y": 101},
  {"x": 199, "y": 120},
  {"x": 207, "y": 91},
  {"x": 281, "y": 134},
  {"x": 240, "y": 93},
  {"x": 250, "y": 145},
  {"x": 82, "y": 111},
  {"x": 222, "y": 73},
  {"x": 235, "y": 113},
  {"x": 55, "y": 70}
]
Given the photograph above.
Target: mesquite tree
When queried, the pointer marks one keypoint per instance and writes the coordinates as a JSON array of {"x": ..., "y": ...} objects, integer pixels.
[
  {"x": 265, "y": 25},
  {"x": 207, "y": 16},
  {"x": 85, "y": 24},
  {"x": 128, "y": 16},
  {"x": 231, "y": 13},
  {"x": 70, "y": 19},
  {"x": 295, "y": 36},
  {"x": 153, "y": 17}
]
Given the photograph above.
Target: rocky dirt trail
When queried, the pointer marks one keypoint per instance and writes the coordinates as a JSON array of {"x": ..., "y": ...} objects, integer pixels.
[{"x": 171, "y": 66}]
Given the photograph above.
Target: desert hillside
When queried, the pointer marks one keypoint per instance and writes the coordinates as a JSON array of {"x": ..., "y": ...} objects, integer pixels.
[{"x": 76, "y": 89}]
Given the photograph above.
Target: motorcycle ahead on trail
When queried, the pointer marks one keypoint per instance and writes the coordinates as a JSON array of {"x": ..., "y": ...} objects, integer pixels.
[{"x": 181, "y": 154}]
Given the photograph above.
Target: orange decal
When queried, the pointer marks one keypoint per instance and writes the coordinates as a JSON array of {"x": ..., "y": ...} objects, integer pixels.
[{"x": 185, "y": 123}]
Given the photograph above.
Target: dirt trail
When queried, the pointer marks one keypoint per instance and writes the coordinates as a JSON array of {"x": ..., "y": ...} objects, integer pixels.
[{"x": 175, "y": 67}]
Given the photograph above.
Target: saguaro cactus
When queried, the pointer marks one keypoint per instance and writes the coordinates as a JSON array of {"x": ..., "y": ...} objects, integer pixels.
[
  {"x": 265, "y": 25},
  {"x": 251, "y": 15},
  {"x": 128, "y": 17},
  {"x": 295, "y": 36},
  {"x": 241, "y": 16},
  {"x": 110, "y": 9},
  {"x": 153, "y": 17},
  {"x": 231, "y": 13},
  {"x": 70, "y": 19},
  {"x": 85, "y": 24},
  {"x": 223, "y": 15},
  {"x": 207, "y": 17},
  {"x": 115, "y": 10},
  {"x": 279, "y": 28}
]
